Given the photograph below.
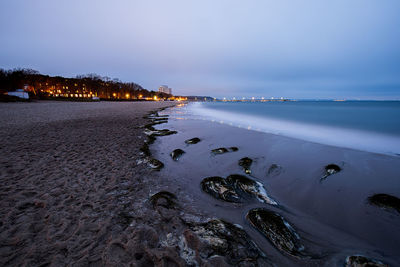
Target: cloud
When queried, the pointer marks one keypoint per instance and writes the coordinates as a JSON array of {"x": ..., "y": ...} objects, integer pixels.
[{"x": 211, "y": 46}]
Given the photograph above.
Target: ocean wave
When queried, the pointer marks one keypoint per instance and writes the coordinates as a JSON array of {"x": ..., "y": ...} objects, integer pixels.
[{"x": 329, "y": 135}]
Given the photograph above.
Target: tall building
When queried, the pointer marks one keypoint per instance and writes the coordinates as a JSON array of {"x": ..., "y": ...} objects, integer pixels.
[{"x": 165, "y": 89}]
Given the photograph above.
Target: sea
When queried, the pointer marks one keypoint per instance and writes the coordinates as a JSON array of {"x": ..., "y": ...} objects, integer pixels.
[{"x": 372, "y": 126}]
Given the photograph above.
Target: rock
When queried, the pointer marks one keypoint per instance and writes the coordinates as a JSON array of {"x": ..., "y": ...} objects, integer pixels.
[
  {"x": 361, "y": 261},
  {"x": 222, "y": 150},
  {"x": 162, "y": 132},
  {"x": 277, "y": 230},
  {"x": 192, "y": 141},
  {"x": 246, "y": 163},
  {"x": 176, "y": 154},
  {"x": 227, "y": 240},
  {"x": 330, "y": 169},
  {"x": 274, "y": 170},
  {"x": 385, "y": 201},
  {"x": 145, "y": 149},
  {"x": 158, "y": 119},
  {"x": 247, "y": 186},
  {"x": 155, "y": 164},
  {"x": 220, "y": 189},
  {"x": 149, "y": 127},
  {"x": 165, "y": 199}
]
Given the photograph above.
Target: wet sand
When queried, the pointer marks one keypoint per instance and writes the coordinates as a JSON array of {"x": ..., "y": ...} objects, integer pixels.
[{"x": 332, "y": 217}]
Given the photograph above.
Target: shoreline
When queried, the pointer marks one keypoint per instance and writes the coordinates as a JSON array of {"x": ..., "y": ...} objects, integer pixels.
[
  {"x": 71, "y": 191},
  {"x": 333, "y": 216}
]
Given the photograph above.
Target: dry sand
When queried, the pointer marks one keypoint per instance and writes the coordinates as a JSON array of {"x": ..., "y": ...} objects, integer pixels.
[{"x": 72, "y": 192}]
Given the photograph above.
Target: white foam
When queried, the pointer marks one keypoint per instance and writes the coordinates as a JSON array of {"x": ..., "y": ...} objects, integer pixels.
[{"x": 335, "y": 136}]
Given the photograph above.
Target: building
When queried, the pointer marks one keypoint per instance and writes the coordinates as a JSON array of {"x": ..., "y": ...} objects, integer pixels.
[{"x": 165, "y": 89}]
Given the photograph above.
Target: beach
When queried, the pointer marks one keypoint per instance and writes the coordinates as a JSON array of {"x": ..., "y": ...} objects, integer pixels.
[
  {"x": 72, "y": 192},
  {"x": 77, "y": 189}
]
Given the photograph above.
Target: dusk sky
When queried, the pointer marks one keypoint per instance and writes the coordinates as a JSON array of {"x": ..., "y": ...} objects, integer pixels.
[{"x": 225, "y": 48}]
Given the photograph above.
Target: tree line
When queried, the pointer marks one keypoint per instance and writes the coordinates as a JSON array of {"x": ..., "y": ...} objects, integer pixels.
[{"x": 45, "y": 86}]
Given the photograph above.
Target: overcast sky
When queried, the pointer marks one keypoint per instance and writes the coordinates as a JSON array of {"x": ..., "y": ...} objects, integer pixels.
[{"x": 221, "y": 48}]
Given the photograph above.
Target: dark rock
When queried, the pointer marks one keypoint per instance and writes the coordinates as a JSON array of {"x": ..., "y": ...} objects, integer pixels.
[
  {"x": 361, "y": 261},
  {"x": 155, "y": 164},
  {"x": 176, "y": 154},
  {"x": 220, "y": 189},
  {"x": 164, "y": 199},
  {"x": 151, "y": 139},
  {"x": 247, "y": 186},
  {"x": 274, "y": 170},
  {"x": 192, "y": 141},
  {"x": 145, "y": 149},
  {"x": 222, "y": 150},
  {"x": 160, "y": 119},
  {"x": 330, "y": 169},
  {"x": 277, "y": 230},
  {"x": 245, "y": 163},
  {"x": 163, "y": 132},
  {"x": 385, "y": 201},
  {"x": 227, "y": 240},
  {"x": 150, "y": 127}
]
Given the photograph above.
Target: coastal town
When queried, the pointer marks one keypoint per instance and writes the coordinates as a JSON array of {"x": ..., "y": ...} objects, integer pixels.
[{"x": 26, "y": 84}]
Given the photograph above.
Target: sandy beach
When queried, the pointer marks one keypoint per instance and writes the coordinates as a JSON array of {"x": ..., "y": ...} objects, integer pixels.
[
  {"x": 78, "y": 190},
  {"x": 71, "y": 190}
]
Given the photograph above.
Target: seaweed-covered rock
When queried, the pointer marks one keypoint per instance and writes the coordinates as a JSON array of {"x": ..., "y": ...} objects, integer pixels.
[
  {"x": 228, "y": 240},
  {"x": 191, "y": 141},
  {"x": 247, "y": 186},
  {"x": 155, "y": 164},
  {"x": 223, "y": 150},
  {"x": 220, "y": 189},
  {"x": 245, "y": 163},
  {"x": 274, "y": 170},
  {"x": 330, "y": 169},
  {"x": 385, "y": 201},
  {"x": 361, "y": 261},
  {"x": 164, "y": 199},
  {"x": 277, "y": 230},
  {"x": 176, "y": 154}
]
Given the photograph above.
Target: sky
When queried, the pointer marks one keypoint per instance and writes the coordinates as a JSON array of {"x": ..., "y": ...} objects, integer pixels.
[{"x": 227, "y": 48}]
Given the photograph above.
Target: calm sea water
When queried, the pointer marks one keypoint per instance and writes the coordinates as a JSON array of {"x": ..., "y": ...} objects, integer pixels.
[{"x": 364, "y": 125}]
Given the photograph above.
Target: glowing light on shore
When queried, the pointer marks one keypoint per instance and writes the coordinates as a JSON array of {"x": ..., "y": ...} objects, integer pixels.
[{"x": 127, "y": 95}]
